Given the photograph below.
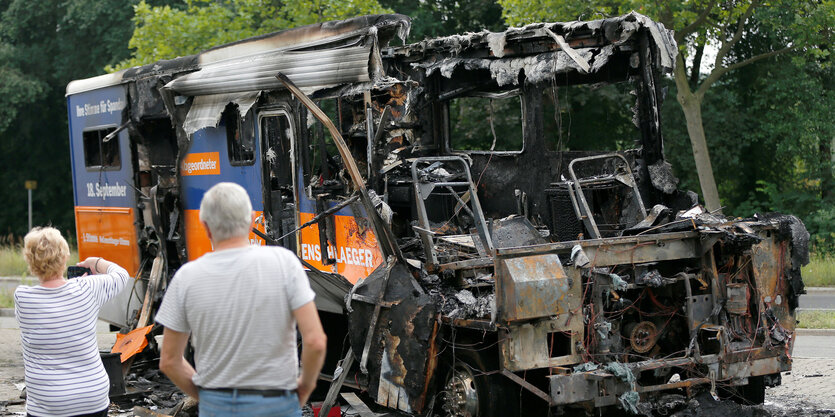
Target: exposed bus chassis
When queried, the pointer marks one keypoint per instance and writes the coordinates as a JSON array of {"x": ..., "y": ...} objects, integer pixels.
[
  {"x": 578, "y": 279},
  {"x": 614, "y": 321}
]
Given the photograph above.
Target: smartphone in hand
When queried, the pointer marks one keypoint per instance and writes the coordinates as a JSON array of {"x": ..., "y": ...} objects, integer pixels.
[{"x": 77, "y": 271}]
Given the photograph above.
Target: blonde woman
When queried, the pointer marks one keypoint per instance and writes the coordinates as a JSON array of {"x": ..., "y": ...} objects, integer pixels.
[{"x": 64, "y": 373}]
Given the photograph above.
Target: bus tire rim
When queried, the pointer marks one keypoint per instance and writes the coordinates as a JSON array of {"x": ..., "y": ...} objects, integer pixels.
[{"x": 462, "y": 396}]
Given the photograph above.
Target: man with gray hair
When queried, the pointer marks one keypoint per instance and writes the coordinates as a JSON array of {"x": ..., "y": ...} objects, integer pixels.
[{"x": 241, "y": 304}]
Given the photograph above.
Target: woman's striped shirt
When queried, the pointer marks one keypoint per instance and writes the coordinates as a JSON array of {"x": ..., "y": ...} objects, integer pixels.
[{"x": 63, "y": 370}]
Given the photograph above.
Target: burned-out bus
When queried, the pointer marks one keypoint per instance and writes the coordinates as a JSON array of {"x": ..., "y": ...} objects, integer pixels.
[{"x": 471, "y": 252}]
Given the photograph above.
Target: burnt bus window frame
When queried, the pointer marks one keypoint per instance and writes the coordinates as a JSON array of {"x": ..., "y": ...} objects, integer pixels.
[
  {"x": 311, "y": 153},
  {"x": 97, "y": 134},
  {"x": 578, "y": 106},
  {"x": 242, "y": 151},
  {"x": 278, "y": 112},
  {"x": 509, "y": 94}
]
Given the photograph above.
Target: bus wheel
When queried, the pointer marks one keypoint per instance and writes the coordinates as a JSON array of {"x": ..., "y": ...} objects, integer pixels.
[
  {"x": 468, "y": 392},
  {"x": 462, "y": 395},
  {"x": 752, "y": 393}
]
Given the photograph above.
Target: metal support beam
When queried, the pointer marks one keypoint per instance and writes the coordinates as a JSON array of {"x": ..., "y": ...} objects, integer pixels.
[
  {"x": 336, "y": 385},
  {"x": 388, "y": 243},
  {"x": 528, "y": 386}
]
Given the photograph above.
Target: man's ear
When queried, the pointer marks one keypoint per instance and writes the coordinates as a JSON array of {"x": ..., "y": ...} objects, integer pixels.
[{"x": 206, "y": 227}]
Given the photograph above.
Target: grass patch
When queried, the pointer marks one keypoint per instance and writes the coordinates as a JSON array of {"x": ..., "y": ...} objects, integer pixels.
[
  {"x": 7, "y": 298},
  {"x": 820, "y": 272},
  {"x": 13, "y": 265},
  {"x": 11, "y": 261},
  {"x": 811, "y": 319}
]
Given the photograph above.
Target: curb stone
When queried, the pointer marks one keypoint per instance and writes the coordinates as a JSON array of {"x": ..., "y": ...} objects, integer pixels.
[{"x": 809, "y": 332}]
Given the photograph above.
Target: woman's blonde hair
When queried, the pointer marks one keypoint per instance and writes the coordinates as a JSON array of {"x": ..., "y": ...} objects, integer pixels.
[{"x": 46, "y": 252}]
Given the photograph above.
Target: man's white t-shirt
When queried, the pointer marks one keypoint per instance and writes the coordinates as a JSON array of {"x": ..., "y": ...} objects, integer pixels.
[{"x": 237, "y": 304}]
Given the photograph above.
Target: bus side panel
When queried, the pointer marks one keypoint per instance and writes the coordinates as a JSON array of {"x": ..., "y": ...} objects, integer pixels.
[
  {"x": 104, "y": 195},
  {"x": 206, "y": 164},
  {"x": 108, "y": 232}
]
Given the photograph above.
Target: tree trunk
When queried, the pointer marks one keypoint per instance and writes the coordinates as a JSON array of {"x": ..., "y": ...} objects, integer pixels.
[
  {"x": 691, "y": 104},
  {"x": 826, "y": 157}
]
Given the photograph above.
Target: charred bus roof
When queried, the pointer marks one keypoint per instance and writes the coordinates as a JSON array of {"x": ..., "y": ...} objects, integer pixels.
[
  {"x": 543, "y": 50},
  {"x": 318, "y": 36},
  {"x": 580, "y": 48}
]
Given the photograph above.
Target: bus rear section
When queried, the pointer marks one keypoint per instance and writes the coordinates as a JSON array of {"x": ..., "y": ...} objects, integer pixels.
[{"x": 103, "y": 165}]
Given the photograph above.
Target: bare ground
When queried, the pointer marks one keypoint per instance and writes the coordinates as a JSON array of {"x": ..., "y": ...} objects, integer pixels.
[{"x": 809, "y": 390}]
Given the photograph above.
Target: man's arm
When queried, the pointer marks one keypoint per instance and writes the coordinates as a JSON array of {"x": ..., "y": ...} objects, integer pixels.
[
  {"x": 314, "y": 344},
  {"x": 174, "y": 365}
]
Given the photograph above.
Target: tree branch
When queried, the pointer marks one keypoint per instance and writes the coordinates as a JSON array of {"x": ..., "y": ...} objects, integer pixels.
[
  {"x": 695, "y": 71},
  {"x": 680, "y": 75},
  {"x": 666, "y": 16},
  {"x": 718, "y": 72},
  {"x": 740, "y": 28},
  {"x": 692, "y": 27},
  {"x": 759, "y": 57}
]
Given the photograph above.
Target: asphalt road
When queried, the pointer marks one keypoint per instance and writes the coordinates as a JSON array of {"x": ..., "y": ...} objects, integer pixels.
[
  {"x": 9, "y": 283},
  {"x": 807, "y": 391},
  {"x": 815, "y": 344},
  {"x": 818, "y": 299}
]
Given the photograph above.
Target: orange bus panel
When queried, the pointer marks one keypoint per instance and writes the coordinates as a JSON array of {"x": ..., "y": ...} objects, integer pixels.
[
  {"x": 357, "y": 253},
  {"x": 202, "y": 163},
  {"x": 108, "y": 232},
  {"x": 197, "y": 241}
]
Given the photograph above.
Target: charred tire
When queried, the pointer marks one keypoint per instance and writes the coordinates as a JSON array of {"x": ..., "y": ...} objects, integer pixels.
[
  {"x": 468, "y": 392},
  {"x": 751, "y": 394}
]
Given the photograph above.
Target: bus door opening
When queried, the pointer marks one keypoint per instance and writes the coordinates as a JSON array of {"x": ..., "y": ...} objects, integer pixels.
[{"x": 277, "y": 140}]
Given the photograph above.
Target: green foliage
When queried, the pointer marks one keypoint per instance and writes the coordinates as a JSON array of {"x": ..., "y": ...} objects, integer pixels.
[
  {"x": 165, "y": 32},
  {"x": 17, "y": 90},
  {"x": 582, "y": 110},
  {"x": 572, "y": 116},
  {"x": 769, "y": 127},
  {"x": 43, "y": 46},
  {"x": 803, "y": 21},
  {"x": 675, "y": 14},
  {"x": 433, "y": 18},
  {"x": 821, "y": 225},
  {"x": 475, "y": 120},
  {"x": 522, "y": 12},
  {"x": 726, "y": 124}
]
